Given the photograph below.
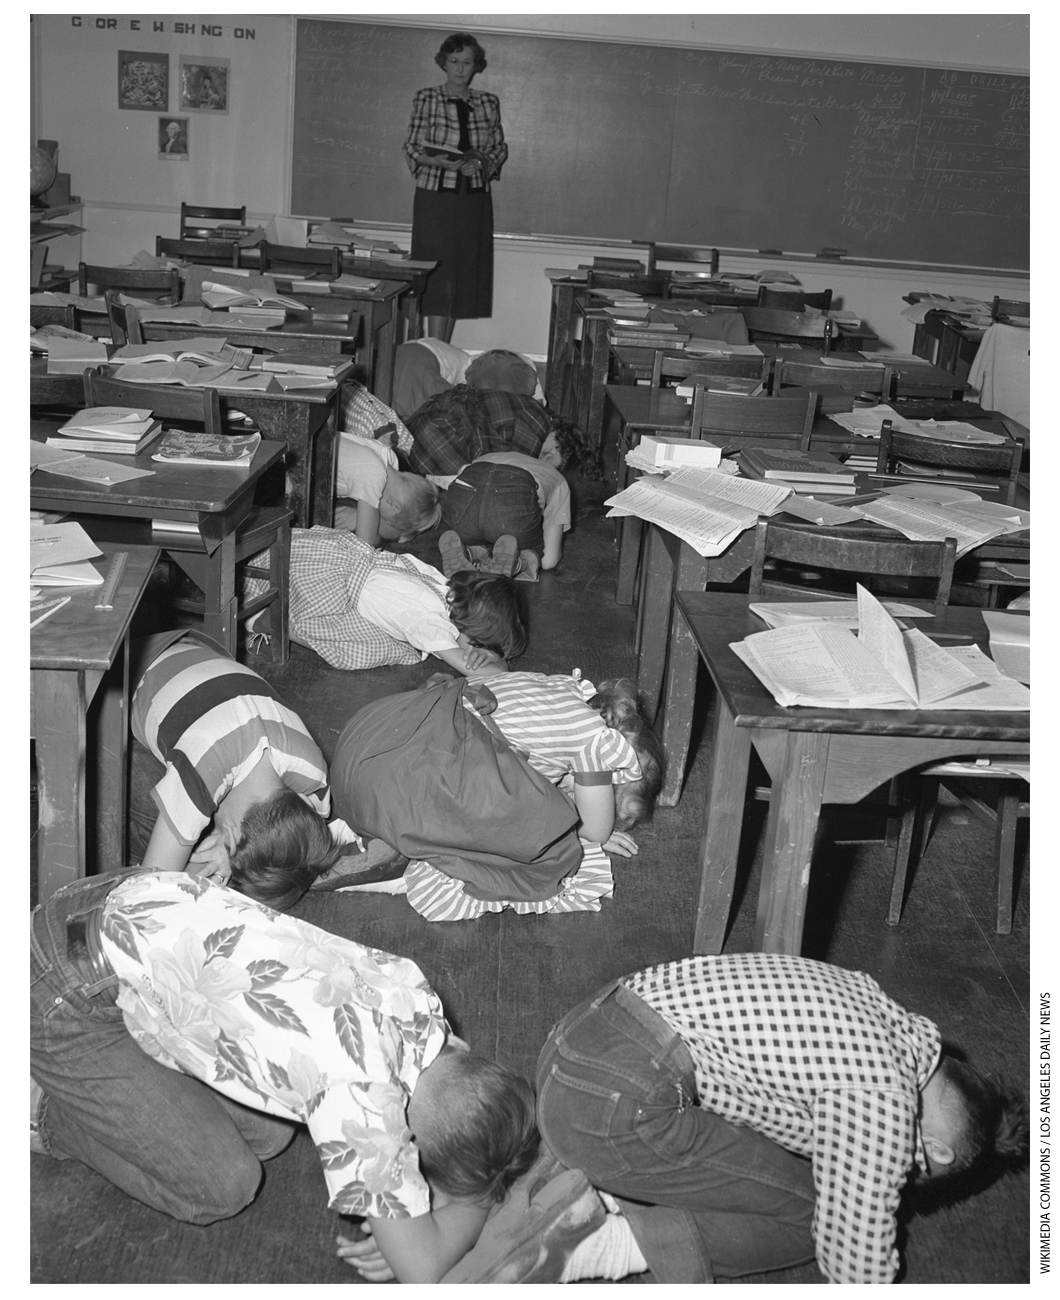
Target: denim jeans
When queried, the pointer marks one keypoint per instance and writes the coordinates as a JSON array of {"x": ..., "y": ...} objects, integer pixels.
[
  {"x": 488, "y": 500},
  {"x": 161, "y": 1136},
  {"x": 617, "y": 1099}
]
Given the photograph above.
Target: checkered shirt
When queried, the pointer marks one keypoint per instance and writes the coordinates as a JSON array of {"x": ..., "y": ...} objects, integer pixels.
[
  {"x": 362, "y": 413},
  {"x": 821, "y": 1061},
  {"x": 434, "y": 121},
  {"x": 457, "y": 426}
]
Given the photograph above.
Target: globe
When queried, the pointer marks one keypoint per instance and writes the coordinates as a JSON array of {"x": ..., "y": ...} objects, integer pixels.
[{"x": 42, "y": 171}]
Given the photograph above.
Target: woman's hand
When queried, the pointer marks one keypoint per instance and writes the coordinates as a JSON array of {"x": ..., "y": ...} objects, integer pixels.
[
  {"x": 469, "y": 167},
  {"x": 622, "y": 844},
  {"x": 365, "y": 1256},
  {"x": 209, "y": 859}
]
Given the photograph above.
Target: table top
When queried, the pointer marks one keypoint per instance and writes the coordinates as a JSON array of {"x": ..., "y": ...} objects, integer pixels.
[
  {"x": 171, "y": 489},
  {"x": 79, "y": 636},
  {"x": 309, "y": 330},
  {"x": 382, "y": 292},
  {"x": 717, "y": 619}
]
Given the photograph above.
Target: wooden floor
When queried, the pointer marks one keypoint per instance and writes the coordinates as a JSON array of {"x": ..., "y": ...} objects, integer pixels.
[{"x": 505, "y": 980}]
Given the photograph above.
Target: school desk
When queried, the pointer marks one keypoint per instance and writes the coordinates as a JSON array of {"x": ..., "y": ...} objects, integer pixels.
[
  {"x": 79, "y": 709},
  {"x": 413, "y": 273},
  {"x": 946, "y": 340},
  {"x": 813, "y": 757},
  {"x": 305, "y": 419},
  {"x": 215, "y": 499},
  {"x": 297, "y": 333}
]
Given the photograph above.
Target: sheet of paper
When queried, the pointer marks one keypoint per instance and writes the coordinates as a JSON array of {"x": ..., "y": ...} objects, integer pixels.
[
  {"x": 994, "y": 691},
  {"x": 821, "y": 665},
  {"x": 89, "y": 469},
  {"x": 783, "y": 613},
  {"x": 882, "y": 637},
  {"x": 819, "y": 512},
  {"x": 926, "y": 521},
  {"x": 936, "y": 672},
  {"x": 41, "y": 455},
  {"x": 867, "y": 421}
]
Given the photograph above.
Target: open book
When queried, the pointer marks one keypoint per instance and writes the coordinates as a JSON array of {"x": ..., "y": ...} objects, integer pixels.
[
  {"x": 226, "y": 297},
  {"x": 827, "y": 666},
  {"x": 706, "y": 508}
]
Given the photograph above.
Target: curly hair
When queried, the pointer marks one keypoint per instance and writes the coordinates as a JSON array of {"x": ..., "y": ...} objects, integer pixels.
[
  {"x": 616, "y": 702},
  {"x": 283, "y": 846},
  {"x": 577, "y": 451},
  {"x": 491, "y": 611},
  {"x": 483, "y": 1134},
  {"x": 461, "y": 41}
]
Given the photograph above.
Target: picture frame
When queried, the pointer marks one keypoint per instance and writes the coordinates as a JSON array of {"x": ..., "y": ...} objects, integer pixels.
[
  {"x": 143, "y": 81},
  {"x": 173, "y": 138},
  {"x": 205, "y": 84}
]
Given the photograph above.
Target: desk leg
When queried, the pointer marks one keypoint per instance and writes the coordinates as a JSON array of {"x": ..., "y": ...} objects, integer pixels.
[
  {"x": 730, "y": 754},
  {"x": 594, "y": 420},
  {"x": 679, "y": 698},
  {"x": 384, "y": 362},
  {"x": 220, "y": 620},
  {"x": 320, "y": 503},
  {"x": 559, "y": 345},
  {"x": 59, "y": 724},
  {"x": 111, "y": 742},
  {"x": 794, "y": 808},
  {"x": 653, "y": 616},
  {"x": 630, "y": 535}
]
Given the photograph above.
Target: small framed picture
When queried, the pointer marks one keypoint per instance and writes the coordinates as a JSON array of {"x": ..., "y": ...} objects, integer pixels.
[
  {"x": 143, "y": 81},
  {"x": 173, "y": 138},
  {"x": 203, "y": 85}
]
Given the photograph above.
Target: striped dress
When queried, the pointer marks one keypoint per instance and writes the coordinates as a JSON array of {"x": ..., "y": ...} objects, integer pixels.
[
  {"x": 547, "y": 719},
  {"x": 210, "y": 720}
]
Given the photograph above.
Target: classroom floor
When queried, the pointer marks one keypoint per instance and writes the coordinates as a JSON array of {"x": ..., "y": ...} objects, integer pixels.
[{"x": 504, "y": 980}]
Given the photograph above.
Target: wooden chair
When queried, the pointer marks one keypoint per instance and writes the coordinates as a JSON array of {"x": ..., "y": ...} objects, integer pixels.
[
  {"x": 1001, "y": 308},
  {"x": 124, "y": 320},
  {"x": 862, "y": 379},
  {"x": 200, "y": 252},
  {"x": 702, "y": 258},
  {"x": 160, "y": 286},
  {"x": 769, "y": 323},
  {"x": 279, "y": 258},
  {"x": 678, "y": 366},
  {"x": 793, "y": 299},
  {"x": 806, "y": 547},
  {"x": 265, "y": 529},
  {"x": 1000, "y": 458},
  {"x": 47, "y": 314},
  {"x": 202, "y": 223},
  {"x": 787, "y": 419}
]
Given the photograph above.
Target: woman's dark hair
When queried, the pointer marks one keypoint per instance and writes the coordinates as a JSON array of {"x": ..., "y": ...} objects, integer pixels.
[
  {"x": 577, "y": 451},
  {"x": 283, "y": 846},
  {"x": 616, "y": 702},
  {"x": 490, "y": 610},
  {"x": 483, "y": 1134},
  {"x": 461, "y": 41}
]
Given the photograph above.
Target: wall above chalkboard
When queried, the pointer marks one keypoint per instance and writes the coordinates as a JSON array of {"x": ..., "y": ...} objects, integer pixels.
[{"x": 618, "y": 141}]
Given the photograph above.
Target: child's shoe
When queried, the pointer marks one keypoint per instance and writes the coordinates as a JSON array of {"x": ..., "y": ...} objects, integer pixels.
[
  {"x": 528, "y": 567},
  {"x": 454, "y": 557},
  {"x": 504, "y": 558}
]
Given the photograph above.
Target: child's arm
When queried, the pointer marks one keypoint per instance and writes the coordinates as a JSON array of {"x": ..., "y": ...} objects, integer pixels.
[
  {"x": 553, "y": 549},
  {"x": 164, "y": 851},
  {"x": 425, "y": 1248},
  {"x": 361, "y": 519},
  {"x": 596, "y": 808},
  {"x": 472, "y": 661}
]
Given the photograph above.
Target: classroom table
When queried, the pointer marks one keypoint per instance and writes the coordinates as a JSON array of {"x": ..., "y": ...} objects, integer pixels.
[
  {"x": 215, "y": 499},
  {"x": 813, "y": 757},
  {"x": 946, "y": 340},
  {"x": 413, "y": 273},
  {"x": 305, "y": 419},
  {"x": 78, "y": 657},
  {"x": 296, "y": 334}
]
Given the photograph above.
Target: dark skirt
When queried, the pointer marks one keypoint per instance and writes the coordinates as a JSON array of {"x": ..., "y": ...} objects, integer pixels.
[{"x": 456, "y": 230}]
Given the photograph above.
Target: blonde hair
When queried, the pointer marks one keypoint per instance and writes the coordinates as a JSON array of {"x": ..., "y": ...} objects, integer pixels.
[
  {"x": 417, "y": 504},
  {"x": 616, "y": 702}
]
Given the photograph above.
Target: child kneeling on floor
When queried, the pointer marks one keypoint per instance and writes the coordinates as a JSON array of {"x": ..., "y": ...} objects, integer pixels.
[{"x": 358, "y": 607}]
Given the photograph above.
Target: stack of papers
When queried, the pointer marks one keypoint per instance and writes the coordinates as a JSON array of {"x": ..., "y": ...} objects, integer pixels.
[
  {"x": 60, "y": 555},
  {"x": 654, "y": 453},
  {"x": 929, "y": 521}
]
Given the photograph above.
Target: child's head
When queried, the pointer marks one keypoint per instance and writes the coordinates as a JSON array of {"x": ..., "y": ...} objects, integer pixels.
[
  {"x": 569, "y": 447},
  {"x": 475, "y": 1126},
  {"x": 616, "y": 702},
  {"x": 283, "y": 846},
  {"x": 409, "y": 506},
  {"x": 972, "y": 1128},
  {"x": 490, "y": 610}
]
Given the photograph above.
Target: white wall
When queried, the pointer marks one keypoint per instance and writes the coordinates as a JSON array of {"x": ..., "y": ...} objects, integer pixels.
[{"x": 131, "y": 195}]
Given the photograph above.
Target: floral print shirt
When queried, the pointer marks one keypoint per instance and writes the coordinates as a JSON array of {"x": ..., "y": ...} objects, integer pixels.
[{"x": 285, "y": 1018}]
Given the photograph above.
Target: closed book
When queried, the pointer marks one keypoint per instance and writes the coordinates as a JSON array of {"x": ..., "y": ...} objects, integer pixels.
[
  {"x": 308, "y": 363},
  {"x": 735, "y": 387},
  {"x": 112, "y": 446},
  {"x": 821, "y": 488},
  {"x": 792, "y": 465},
  {"x": 186, "y": 448}
]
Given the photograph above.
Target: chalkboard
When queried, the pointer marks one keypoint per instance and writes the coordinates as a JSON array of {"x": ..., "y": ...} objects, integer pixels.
[{"x": 619, "y": 141}]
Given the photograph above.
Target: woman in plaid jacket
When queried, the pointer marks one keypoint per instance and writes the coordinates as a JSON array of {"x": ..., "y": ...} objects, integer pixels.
[{"x": 455, "y": 148}]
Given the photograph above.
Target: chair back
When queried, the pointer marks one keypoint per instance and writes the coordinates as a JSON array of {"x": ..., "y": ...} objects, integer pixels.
[
  {"x": 200, "y": 252},
  {"x": 808, "y": 546},
  {"x": 1002, "y": 307},
  {"x": 766, "y": 322},
  {"x": 675, "y": 365},
  {"x": 201, "y": 223},
  {"x": 793, "y": 299},
  {"x": 47, "y": 314},
  {"x": 1000, "y": 458},
  {"x": 701, "y": 258},
  {"x": 167, "y": 401},
  {"x": 162, "y": 286},
  {"x": 650, "y": 286},
  {"x": 758, "y": 418},
  {"x": 811, "y": 374},
  {"x": 277, "y": 258},
  {"x": 124, "y": 320}
]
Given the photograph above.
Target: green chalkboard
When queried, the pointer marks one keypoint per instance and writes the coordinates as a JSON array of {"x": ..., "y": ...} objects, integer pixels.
[{"x": 620, "y": 141}]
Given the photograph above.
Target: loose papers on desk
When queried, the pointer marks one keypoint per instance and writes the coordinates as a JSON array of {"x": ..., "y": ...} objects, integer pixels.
[
  {"x": 825, "y": 665},
  {"x": 707, "y": 508},
  {"x": 929, "y": 521},
  {"x": 59, "y": 556}
]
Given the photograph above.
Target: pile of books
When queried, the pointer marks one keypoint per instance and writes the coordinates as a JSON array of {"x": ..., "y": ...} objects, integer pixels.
[
  {"x": 306, "y": 369},
  {"x": 126, "y": 430},
  {"x": 805, "y": 472},
  {"x": 648, "y": 334}
]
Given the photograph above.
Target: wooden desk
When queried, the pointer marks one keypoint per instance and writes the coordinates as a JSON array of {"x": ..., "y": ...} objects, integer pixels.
[
  {"x": 378, "y": 336},
  {"x": 414, "y": 274},
  {"x": 73, "y": 654},
  {"x": 813, "y": 757},
  {"x": 295, "y": 334},
  {"x": 947, "y": 341},
  {"x": 215, "y": 499},
  {"x": 306, "y": 420}
]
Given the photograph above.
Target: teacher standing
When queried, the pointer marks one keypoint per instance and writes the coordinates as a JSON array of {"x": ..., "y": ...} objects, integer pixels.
[{"x": 455, "y": 148}]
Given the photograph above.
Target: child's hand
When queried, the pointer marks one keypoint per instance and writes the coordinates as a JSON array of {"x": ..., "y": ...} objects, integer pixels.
[
  {"x": 365, "y": 1256},
  {"x": 622, "y": 844},
  {"x": 478, "y": 657},
  {"x": 209, "y": 860}
]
